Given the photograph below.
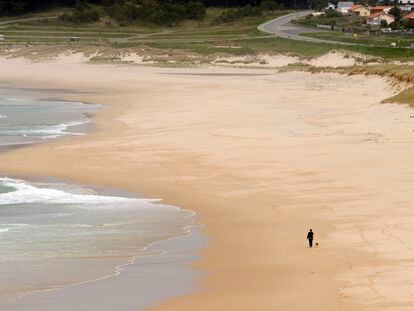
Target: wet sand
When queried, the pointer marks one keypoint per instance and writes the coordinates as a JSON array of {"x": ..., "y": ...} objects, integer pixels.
[{"x": 261, "y": 159}]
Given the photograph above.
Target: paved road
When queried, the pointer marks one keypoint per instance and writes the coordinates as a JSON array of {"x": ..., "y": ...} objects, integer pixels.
[{"x": 281, "y": 27}]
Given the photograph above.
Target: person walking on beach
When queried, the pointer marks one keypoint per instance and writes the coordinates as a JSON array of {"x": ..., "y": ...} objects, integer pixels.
[{"x": 310, "y": 238}]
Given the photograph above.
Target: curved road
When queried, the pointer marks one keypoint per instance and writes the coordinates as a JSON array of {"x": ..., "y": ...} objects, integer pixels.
[{"x": 281, "y": 27}]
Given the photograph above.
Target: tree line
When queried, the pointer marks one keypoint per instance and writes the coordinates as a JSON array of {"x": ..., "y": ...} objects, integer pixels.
[{"x": 161, "y": 12}]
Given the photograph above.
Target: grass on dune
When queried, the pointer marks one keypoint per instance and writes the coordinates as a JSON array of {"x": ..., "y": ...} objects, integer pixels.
[
  {"x": 405, "y": 97},
  {"x": 401, "y": 75}
]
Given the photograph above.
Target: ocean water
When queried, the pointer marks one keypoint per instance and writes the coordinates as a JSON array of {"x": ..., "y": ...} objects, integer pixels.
[
  {"x": 25, "y": 119},
  {"x": 56, "y": 235}
]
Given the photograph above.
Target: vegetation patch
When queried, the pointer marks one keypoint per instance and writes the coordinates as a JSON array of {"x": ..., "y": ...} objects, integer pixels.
[{"x": 405, "y": 97}]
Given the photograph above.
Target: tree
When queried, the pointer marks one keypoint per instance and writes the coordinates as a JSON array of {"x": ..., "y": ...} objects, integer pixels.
[
  {"x": 396, "y": 12},
  {"x": 195, "y": 10},
  {"x": 270, "y": 5},
  {"x": 319, "y": 5}
]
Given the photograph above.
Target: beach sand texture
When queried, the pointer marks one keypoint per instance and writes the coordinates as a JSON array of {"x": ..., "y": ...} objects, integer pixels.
[{"x": 261, "y": 159}]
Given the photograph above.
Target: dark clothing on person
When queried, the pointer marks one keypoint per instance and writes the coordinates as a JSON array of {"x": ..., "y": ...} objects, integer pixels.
[{"x": 310, "y": 238}]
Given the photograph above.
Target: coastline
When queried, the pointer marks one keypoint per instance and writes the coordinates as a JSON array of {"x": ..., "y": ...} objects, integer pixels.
[
  {"x": 256, "y": 174},
  {"x": 82, "y": 286},
  {"x": 165, "y": 259}
]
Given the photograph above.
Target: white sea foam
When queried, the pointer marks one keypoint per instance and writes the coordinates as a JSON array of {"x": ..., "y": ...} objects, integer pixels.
[
  {"x": 27, "y": 193},
  {"x": 3, "y": 116},
  {"x": 4, "y": 230},
  {"x": 52, "y": 131},
  {"x": 12, "y": 99}
]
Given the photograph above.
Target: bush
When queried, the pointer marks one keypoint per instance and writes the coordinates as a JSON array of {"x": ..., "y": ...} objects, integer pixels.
[
  {"x": 167, "y": 13},
  {"x": 195, "y": 10},
  {"x": 332, "y": 13},
  {"x": 394, "y": 26},
  {"x": 83, "y": 14},
  {"x": 233, "y": 15},
  {"x": 270, "y": 5},
  {"x": 408, "y": 23}
]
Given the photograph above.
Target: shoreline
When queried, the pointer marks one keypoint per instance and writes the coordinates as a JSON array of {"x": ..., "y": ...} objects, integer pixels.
[
  {"x": 161, "y": 247},
  {"x": 164, "y": 253},
  {"x": 152, "y": 139}
]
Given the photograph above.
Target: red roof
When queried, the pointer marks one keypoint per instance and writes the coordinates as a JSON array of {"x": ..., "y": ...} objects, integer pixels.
[
  {"x": 409, "y": 16},
  {"x": 379, "y": 14},
  {"x": 380, "y": 7},
  {"x": 375, "y": 15},
  {"x": 354, "y": 7}
]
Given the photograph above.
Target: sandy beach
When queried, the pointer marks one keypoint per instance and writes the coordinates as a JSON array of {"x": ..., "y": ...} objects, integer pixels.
[{"x": 261, "y": 157}]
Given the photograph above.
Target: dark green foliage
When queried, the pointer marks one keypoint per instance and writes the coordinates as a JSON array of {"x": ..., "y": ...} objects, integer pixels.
[
  {"x": 318, "y": 5},
  {"x": 394, "y": 26},
  {"x": 82, "y": 14},
  {"x": 292, "y": 4},
  {"x": 195, "y": 10},
  {"x": 233, "y": 15},
  {"x": 408, "y": 23},
  {"x": 271, "y": 5},
  {"x": 16, "y": 7},
  {"x": 161, "y": 12},
  {"x": 165, "y": 13},
  {"x": 332, "y": 13},
  {"x": 396, "y": 12}
]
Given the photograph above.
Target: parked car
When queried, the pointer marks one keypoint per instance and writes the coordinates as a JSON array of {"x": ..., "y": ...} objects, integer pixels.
[{"x": 2, "y": 38}]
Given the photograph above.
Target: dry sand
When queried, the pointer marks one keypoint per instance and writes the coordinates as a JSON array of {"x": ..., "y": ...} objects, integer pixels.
[{"x": 261, "y": 157}]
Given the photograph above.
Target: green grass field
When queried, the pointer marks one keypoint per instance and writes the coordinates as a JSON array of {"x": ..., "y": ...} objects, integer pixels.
[
  {"x": 53, "y": 30},
  {"x": 380, "y": 40},
  {"x": 206, "y": 37}
]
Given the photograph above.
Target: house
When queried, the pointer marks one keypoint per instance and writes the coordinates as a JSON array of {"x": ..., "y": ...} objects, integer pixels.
[
  {"x": 409, "y": 16},
  {"x": 377, "y": 18},
  {"x": 344, "y": 6},
  {"x": 378, "y": 9},
  {"x": 406, "y": 7},
  {"x": 360, "y": 10},
  {"x": 409, "y": 21},
  {"x": 330, "y": 6}
]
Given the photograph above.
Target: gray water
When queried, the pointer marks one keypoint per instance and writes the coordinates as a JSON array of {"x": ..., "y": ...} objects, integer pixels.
[
  {"x": 25, "y": 119},
  {"x": 59, "y": 236},
  {"x": 56, "y": 234}
]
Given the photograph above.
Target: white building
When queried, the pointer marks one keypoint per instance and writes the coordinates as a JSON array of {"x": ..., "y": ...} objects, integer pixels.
[
  {"x": 330, "y": 6},
  {"x": 405, "y": 1},
  {"x": 376, "y": 18},
  {"x": 344, "y": 6}
]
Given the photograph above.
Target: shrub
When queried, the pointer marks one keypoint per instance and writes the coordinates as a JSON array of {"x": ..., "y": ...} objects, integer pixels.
[
  {"x": 195, "y": 10},
  {"x": 332, "y": 13},
  {"x": 83, "y": 14},
  {"x": 270, "y": 5},
  {"x": 167, "y": 13},
  {"x": 233, "y": 15}
]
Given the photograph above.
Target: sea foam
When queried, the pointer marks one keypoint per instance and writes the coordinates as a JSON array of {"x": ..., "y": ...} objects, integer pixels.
[{"x": 26, "y": 193}]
